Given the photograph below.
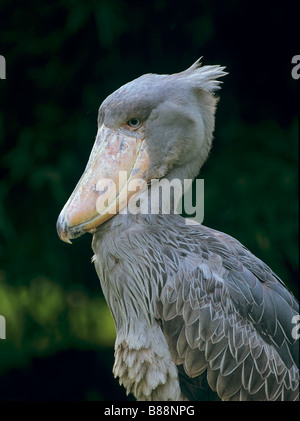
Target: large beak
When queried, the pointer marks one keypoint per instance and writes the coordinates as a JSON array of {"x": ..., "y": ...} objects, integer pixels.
[{"x": 102, "y": 191}]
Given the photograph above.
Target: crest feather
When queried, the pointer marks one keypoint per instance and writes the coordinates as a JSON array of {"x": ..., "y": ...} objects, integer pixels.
[{"x": 204, "y": 77}]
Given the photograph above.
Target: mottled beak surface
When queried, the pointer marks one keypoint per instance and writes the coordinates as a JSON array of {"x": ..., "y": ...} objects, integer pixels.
[{"x": 115, "y": 160}]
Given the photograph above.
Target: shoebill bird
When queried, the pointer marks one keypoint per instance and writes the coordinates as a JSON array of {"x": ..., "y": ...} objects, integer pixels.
[{"x": 197, "y": 315}]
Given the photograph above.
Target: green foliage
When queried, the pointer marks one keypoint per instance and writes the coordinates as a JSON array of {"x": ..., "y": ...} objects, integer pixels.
[{"x": 42, "y": 319}]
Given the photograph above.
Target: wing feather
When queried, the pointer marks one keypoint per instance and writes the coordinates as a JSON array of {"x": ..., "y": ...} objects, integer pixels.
[{"x": 234, "y": 322}]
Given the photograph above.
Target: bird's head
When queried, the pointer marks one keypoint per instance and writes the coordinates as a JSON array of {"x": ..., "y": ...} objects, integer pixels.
[{"x": 157, "y": 126}]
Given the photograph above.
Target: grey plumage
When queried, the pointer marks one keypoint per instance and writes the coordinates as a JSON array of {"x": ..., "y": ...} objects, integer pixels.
[
  {"x": 197, "y": 315},
  {"x": 225, "y": 315}
]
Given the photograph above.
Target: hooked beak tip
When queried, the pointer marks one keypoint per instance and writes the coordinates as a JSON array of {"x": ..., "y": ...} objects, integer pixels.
[
  {"x": 62, "y": 230},
  {"x": 66, "y": 240}
]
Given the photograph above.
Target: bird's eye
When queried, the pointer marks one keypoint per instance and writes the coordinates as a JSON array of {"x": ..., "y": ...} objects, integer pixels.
[{"x": 134, "y": 123}]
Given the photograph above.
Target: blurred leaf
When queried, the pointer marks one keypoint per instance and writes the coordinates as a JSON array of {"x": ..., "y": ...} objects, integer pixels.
[{"x": 42, "y": 319}]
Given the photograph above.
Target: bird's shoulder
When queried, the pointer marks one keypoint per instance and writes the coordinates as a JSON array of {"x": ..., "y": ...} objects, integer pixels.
[{"x": 225, "y": 312}]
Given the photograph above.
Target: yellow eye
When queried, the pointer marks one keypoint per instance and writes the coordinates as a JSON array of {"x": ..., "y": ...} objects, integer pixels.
[{"x": 134, "y": 123}]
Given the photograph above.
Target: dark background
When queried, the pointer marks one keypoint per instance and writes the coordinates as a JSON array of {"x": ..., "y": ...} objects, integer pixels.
[{"x": 63, "y": 58}]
